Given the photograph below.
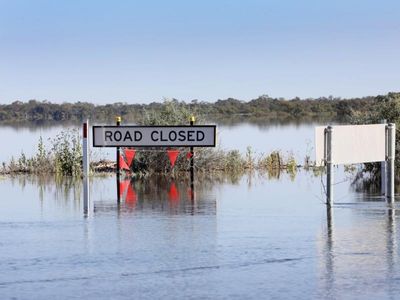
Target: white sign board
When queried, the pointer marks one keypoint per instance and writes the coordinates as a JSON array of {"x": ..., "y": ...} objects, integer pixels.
[
  {"x": 154, "y": 136},
  {"x": 352, "y": 144}
]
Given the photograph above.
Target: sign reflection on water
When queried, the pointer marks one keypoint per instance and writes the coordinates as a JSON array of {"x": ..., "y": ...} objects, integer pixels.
[
  {"x": 347, "y": 248},
  {"x": 162, "y": 194}
]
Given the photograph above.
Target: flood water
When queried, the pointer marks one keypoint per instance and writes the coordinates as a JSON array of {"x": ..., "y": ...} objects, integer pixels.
[{"x": 254, "y": 236}]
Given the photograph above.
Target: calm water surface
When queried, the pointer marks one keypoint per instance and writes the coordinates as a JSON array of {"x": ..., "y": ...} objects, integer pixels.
[{"x": 251, "y": 237}]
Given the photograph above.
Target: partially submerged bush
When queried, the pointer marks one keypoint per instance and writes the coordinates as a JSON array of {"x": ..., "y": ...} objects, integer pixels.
[
  {"x": 64, "y": 158},
  {"x": 271, "y": 161},
  {"x": 67, "y": 153}
]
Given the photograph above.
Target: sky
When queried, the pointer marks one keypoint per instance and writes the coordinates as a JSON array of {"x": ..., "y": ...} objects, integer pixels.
[{"x": 143, "y": 51}]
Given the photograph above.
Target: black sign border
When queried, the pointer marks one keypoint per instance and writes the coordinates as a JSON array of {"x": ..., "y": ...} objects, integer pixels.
[{"x": 157, "y": 126}]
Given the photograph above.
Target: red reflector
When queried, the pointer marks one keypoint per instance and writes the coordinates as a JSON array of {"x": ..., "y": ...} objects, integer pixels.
[{"x": 85, "y": 130}]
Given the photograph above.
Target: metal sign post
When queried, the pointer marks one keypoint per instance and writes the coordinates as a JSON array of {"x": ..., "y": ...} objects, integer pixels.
[
  {"x": 391, "y": 145},
  {"x": 192, "y": 120},
  {"x": 118, "y": 123},
  {"x": 86, "y": 163},
  {"x": 329, "y": 165},
  {"x": 383, "y": 170}
]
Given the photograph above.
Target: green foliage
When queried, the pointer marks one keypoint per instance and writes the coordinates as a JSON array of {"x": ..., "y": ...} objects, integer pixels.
[
  {"x": 155, "y": 113},
  {"x": 250, "y": 161},
  {"x": 271, "y": 161},
  {"x": 291, "y": 165},
  {"x": 171, "y": 112},
  {"x": 274, "y": 163},
  {"x": 233, "y": 161},
  {"x": 40, "y": 162},
  {"x": 387, "y": 108},
  {"x": 12, "y": 166},
  {"x": 67, "y": 153},
  {"x": 64, "y": 158}
]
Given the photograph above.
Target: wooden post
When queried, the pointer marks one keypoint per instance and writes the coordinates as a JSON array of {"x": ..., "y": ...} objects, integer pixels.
[
  {"x": 329, "y": 165},
  {"x": 391, "y": 147},
  {"x": 86, "y": 163},
  {"x": 118, "y": 123}
]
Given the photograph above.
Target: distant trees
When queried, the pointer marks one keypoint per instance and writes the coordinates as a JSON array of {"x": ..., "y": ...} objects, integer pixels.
[{"x": 263, "y": 106}]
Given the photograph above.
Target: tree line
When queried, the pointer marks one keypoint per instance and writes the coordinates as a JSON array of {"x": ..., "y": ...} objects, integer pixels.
[{"x": 264, "y": 106}]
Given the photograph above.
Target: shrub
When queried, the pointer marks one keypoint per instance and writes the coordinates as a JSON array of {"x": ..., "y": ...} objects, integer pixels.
[{"x": 67, "y": 153}]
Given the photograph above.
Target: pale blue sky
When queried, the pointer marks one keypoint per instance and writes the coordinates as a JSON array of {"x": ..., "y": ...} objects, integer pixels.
[{"x": 142, "y": 51}]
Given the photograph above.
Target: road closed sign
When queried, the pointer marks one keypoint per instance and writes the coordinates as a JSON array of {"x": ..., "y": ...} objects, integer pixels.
[{"x": 154, "y": 136}]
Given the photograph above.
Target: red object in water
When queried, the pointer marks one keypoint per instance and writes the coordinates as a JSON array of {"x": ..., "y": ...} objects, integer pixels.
[
  {"x": 123, "y": 185},
  {"x": 189, "y": 155},
  {"x": 130, "y": 196},
  {"x": 173, "y": 193},
  {"x": 122, "y": 164},
  {"x": 130, "y": 156},
  {"x": 173, "y": 154}
]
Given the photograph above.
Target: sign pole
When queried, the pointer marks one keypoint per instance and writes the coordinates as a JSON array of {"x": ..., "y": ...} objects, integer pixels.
[
  {"x": 383, "y": 170},
  {"x": 391, "y": 145},
  {"x": 192, "y": 120},
  {"x": 118, "y": 123},
  {"x": 86, "y": 162},
  {"x": 329, "y": 164}
]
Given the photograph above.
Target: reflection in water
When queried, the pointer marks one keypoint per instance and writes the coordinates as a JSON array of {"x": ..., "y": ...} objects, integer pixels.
[
  {"x": 158, "y": 193},
  {"x": 64, "y": 191},
  {"x": 277, "y": 173},
  {"x": 329, "y": 254},
  {"x": 391, "y": 246},
  {"x": 162, "y": 194},
  {"x": 33, "y": 126},
  {"x": 262, "y": 122},
  {"x": 359, "y": 251}
]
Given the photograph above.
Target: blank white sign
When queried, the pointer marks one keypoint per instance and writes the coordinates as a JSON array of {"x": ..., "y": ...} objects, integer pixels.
[{"x": 352, "y": 144}]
